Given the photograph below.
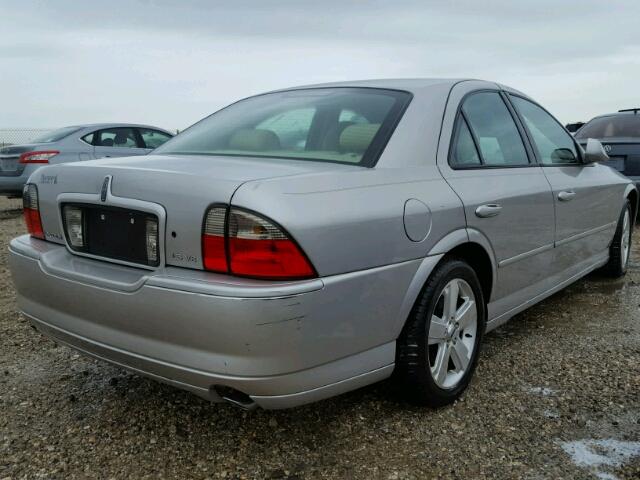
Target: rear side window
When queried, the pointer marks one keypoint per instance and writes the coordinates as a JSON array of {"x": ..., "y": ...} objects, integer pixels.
[
  {"x": 554, "y": 145},
  {"x": 464, "y": 152},
  {"x": 153, "y": 138},
  {"x": 494, "y": 129},
  {"x": 343, "y": 125},
  {"x": 122, "y": 137}
]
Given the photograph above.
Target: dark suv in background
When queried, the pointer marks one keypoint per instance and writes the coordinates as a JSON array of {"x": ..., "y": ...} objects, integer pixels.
[{"x": 619, "y": 133}]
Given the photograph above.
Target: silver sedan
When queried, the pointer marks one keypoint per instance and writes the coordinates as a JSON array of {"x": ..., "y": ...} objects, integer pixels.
[
  {"x": 73, "y": 144},
  {"x": 307, "y": 242}
]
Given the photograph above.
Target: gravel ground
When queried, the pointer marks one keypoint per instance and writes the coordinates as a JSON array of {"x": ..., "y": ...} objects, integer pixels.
[{"x": 556, "y": 395}]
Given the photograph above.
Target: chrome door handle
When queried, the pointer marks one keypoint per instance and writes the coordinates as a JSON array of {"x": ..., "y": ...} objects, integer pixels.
[
  {"x": 488, "y": 210},
  {"x": 566, "y": 195}
]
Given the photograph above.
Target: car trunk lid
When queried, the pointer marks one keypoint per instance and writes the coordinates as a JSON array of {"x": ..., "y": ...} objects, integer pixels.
[
  {"x": 182, "y": 187},
  {"x": 10, "y": 165}
]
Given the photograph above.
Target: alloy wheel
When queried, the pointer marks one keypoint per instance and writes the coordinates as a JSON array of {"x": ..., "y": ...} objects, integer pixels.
[
  {"x": 626, "y": 238},
  {"x": 452, "y": 333}
]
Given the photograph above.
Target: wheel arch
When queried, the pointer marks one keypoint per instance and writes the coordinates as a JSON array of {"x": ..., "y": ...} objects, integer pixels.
[
  {"x": 478, "y": 259},
  {"x": 631, "y": 194},
  {"x": 467, "y": 244}
]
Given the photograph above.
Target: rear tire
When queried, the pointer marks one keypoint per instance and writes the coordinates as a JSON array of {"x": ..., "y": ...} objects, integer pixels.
[
  {"x": 439, "y": 346},
  {"x": 620, "y": 249}
]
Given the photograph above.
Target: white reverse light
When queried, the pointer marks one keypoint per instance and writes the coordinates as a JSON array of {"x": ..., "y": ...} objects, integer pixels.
[
  {"x": 74, "y": 225},
  {"x": 152, "y": 240}
]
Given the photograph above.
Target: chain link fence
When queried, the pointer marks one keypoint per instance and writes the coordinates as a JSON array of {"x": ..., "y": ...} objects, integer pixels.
[{"x": 17, "y": 136}]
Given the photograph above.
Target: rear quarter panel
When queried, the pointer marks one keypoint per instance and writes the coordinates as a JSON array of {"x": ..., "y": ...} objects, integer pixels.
[
  {"x": 349, "y": 221},
  {"x": 72, "y": 149}
]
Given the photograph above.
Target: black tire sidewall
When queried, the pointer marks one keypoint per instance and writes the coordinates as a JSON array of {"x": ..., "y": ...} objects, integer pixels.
[
  {"x": 421, "y": 379},
  {"x": 616, "y": 267},
  {"x": 624, "y": 266}
]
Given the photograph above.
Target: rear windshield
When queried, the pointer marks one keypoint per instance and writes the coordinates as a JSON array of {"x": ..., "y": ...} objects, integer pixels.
[
  {"x": 55, "y": 135},
  {"x": 614, "y": 126},
  {"x": 344, "y": 125}
]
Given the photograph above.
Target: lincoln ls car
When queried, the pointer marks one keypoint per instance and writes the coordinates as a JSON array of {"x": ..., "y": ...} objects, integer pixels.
[{"x": 306, "y": 242}]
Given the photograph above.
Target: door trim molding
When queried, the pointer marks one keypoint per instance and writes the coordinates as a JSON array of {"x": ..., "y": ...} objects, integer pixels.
[
  {"x": 578, "y": 236},
  {"x": 544, "y": 248},
  {"x": 522, "y": 256}
]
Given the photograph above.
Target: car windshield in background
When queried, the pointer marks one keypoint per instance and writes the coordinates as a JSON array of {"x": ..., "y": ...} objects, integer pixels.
[
  {"x": 613, "y": 126},
  {"x": 344, "y": 125},
  {"x": 55, "y": 135}
]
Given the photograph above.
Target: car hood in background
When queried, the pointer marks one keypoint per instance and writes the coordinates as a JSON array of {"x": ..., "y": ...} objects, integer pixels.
[{"x": 604, "y": 141}]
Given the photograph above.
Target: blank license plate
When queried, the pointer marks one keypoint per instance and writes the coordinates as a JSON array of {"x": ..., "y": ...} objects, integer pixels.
[
  {"x": 118, "y": 233},
  {"x": 9, "y": 164}
]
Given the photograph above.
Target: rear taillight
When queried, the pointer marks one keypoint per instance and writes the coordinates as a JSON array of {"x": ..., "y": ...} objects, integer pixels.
[
  {"x": 38, "y": 157},
  {"x": 258, "y": 248},
  {"x": 246, "y": 244},
  {"x": 32, "y": 210}
]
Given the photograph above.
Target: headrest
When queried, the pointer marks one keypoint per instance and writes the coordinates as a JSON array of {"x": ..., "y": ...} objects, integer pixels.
[
  {"x": 357, "y": 138},
  {"x": 121, "y": 138},
  {"x": 254, "y": 140},
  {"x": 107, "y": 142}
]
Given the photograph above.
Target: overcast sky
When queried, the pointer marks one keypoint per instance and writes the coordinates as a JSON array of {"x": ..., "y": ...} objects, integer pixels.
[{"x": 169, "y": 63}]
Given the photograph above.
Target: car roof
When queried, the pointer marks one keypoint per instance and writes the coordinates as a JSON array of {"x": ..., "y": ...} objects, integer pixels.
[
  {"x": 116, "y": 125},
  {"x": 408, "y": 84},
  {"x": 403, "y": 83},
  {"x": 618, "y": 114},
  {"x": 412, "y": 85}
]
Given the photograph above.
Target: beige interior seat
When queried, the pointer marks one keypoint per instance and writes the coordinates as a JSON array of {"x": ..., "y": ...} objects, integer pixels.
[
  {"x": 254, "y": 140},
  {"x": 357, "y": 138}
]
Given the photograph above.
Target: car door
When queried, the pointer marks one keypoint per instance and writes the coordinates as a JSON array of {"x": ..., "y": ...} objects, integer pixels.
[
  {"x": 507, "y": 199},
  {"x": 117, "y": 142},
  {"x": 586, "y": 197}
]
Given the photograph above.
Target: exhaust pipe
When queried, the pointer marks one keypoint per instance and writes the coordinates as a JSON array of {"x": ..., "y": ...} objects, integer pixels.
[{"x": 235, "y": 397}]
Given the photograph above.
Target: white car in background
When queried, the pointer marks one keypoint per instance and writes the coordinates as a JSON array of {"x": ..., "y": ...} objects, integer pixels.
[{"x": 73, "y": 144}]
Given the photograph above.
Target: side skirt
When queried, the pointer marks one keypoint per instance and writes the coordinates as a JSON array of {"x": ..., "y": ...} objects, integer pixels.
[{"x": 592, "y": 264}]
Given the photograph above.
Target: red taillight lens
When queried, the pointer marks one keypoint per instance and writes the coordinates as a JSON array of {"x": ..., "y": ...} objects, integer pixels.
[
  {"x": 258, "y": 248},
  {"x": 38, "y": 157},
  {"x": 246, "y": 244},
  {"x": 32, "y": 210}
]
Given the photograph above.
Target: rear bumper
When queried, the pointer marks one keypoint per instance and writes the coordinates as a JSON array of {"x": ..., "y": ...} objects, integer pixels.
[
  {"x": 281, "y": 344},
  {"x": 12, "y": 185}
]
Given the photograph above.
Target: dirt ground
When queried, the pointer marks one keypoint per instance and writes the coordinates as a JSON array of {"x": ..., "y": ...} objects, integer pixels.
[{"x": 556, "y": 395}]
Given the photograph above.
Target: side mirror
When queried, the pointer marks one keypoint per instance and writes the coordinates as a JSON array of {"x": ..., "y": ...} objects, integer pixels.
[{"x": 594, "y": 152}]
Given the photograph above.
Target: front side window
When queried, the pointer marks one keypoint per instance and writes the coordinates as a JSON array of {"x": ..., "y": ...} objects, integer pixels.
[
  {"x": 344, "y": 125},
  {"x": 153, "y": 138},
  {"x": 116, "y": 137},
  {"x": 622, "y": 125},
  {"x": 554, "y": 145},
  {"x": 495, "y": 131}
]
